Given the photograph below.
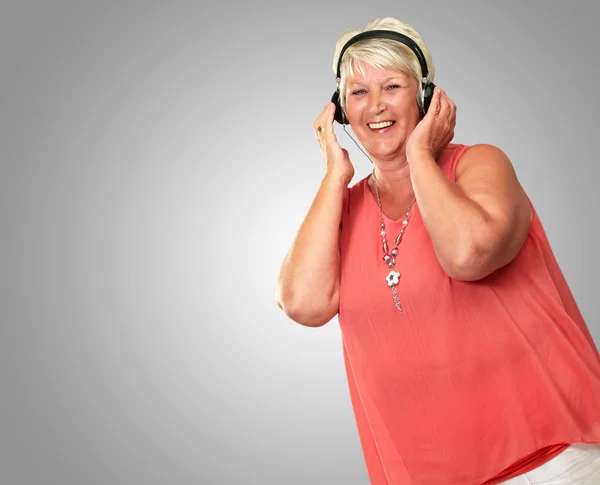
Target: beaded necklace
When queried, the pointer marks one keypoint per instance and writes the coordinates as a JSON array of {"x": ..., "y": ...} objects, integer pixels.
[{"x": 393, "y": 278}]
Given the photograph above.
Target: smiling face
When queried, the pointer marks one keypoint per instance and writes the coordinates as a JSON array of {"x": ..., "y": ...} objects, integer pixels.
[{"x": 381, "y": 107}]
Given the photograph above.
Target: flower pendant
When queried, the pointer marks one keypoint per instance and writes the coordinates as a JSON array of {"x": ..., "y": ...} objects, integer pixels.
[{"x": 393, "y": 278}]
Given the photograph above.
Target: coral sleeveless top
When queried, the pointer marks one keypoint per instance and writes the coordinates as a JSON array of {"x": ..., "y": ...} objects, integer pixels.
[{"x": 475, "y": 382}]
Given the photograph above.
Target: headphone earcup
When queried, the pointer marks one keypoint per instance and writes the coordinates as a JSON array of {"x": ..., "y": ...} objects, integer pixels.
[
  {"x": 339, "y": 114},
  {"x": 427, "y": 95}
]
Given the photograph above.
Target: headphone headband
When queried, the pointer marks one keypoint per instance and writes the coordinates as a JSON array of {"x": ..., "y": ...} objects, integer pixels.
[{"x": 386, "y": 34}]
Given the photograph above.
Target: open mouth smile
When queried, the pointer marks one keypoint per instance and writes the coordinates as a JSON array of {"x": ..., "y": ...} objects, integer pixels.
[{"x": 380, "y": 126}]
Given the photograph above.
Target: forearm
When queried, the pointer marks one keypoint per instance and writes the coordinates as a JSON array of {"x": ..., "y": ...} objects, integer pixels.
[
  {"x": 308, "y": 283},
  {"x": 453, "y": 221}
]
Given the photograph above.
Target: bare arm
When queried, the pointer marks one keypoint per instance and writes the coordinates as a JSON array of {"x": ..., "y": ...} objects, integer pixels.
[
  {"x": 308, "y": 282},
  {"x": 478, "y": 224}
]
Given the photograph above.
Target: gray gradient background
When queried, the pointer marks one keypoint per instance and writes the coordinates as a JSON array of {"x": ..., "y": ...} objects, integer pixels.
[{"x": 156, "y": 162}]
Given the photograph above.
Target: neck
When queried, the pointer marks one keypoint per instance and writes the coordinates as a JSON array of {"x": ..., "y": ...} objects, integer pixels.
[{"x": 393, "y": 177}]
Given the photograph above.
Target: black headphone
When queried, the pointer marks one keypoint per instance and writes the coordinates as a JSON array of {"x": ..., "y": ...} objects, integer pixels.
[{"x": 426, "y": 85}]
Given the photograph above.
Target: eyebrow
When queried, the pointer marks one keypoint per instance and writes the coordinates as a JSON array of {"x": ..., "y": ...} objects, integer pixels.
[{"x": 384, "y": 81}]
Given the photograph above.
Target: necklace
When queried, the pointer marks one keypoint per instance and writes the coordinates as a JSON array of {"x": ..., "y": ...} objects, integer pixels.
[{"x": 393, "y": 278}]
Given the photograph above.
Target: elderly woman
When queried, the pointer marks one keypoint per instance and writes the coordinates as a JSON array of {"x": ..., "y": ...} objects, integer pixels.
[{"x": 467, "y": 358}]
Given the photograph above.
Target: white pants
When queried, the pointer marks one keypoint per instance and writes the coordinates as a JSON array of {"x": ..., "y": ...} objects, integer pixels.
[{"x": 579, "y": 464}]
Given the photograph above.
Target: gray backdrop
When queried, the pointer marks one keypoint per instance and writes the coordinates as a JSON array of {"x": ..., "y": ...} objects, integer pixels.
[{"x": 156, "y": 162}]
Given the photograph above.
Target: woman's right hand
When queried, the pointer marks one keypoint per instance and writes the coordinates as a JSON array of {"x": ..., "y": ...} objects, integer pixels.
[{"x": 337, "y": 160}]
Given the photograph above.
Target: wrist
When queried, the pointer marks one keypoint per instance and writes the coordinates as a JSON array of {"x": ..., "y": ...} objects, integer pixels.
[
  {"x": 336, "y": 180},
  {"x": 420, "y": 156}
]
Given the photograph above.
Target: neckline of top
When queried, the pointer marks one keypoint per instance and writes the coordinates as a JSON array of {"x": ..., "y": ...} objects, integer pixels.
[{"x": 374, "y": 202}]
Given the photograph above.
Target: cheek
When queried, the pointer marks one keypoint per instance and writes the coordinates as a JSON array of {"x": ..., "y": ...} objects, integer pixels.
[
  {"x": 410, "y": 110},
  {"x": 353, "y": 112},
  {"x": 352, "y": 105},
  {"x": 406, "y": 102}
]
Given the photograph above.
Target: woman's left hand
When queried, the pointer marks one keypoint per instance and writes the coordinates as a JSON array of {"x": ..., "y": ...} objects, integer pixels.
[{"x": 435, "y": 131}]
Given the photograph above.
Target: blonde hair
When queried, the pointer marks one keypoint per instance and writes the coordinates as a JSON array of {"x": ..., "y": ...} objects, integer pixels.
[{"x": 381, "y": 54}]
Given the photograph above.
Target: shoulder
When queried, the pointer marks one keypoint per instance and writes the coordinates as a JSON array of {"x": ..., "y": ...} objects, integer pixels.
[
  {"x": 485, "y": 172},
  {"x": 484, "y": 156},
  {"x": 359, "y": 185},
  {"x": 353, "y": 195},
  {"x": 357, "y": 189}
]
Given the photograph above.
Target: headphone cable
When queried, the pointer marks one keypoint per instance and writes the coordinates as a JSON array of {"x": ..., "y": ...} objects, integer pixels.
[{"x": 356, "y": 143}]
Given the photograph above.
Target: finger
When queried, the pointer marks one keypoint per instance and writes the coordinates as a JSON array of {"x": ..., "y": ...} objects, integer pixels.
[
  {"x": 322, "y": 116},
  {"x": 445, "y": 111},
  {"x": 435, "y": 102},
  {"x": 323, "y": 126},
  {"x": 451, "y": 108},
  {"x": 450, "y": 101},
  {"x": 329, "y": 117},
  {"x": 449, "y": 113},
  {"x": 319, "y": 131},
  {"x": 319, "y": 128}
]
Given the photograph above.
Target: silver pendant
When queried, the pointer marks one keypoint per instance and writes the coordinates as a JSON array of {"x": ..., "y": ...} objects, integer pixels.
[
  {"x": 393, "y": 278},
  {"x": 396, "y": 299}
]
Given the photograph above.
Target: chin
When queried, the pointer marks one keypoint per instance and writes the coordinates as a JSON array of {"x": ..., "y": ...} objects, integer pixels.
[
  {"x": 385, "y": 152},
  {"x": 385, "y": 148}
]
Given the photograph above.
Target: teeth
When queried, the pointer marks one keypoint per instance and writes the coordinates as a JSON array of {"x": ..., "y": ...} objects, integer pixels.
[{"x": 378, "y": 126}]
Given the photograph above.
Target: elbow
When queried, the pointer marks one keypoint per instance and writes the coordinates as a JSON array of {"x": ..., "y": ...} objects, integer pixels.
[
  {"x": 308, "y": 318},
  {"x": 470, "y": 265},
  {"x": 308, "y": 313},
  {"x": 465, "y": 274}
]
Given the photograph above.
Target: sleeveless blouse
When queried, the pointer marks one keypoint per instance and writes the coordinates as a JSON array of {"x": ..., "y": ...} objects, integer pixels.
[{"x": 475, "y": 382}]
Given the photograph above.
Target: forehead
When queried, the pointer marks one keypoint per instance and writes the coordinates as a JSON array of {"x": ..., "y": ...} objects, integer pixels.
[{"x": 364, "y": 72}]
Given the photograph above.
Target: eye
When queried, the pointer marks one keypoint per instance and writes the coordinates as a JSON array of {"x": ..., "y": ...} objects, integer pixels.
[
  {"x": 392, "y": 86},
  {"x": 358, "y": 91}
]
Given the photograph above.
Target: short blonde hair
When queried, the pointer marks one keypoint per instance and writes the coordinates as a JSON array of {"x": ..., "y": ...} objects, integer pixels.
[{"x": 381, "y": 54}]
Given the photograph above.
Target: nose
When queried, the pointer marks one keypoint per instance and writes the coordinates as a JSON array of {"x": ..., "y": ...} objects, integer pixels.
[{"x": 376, "y": 102}]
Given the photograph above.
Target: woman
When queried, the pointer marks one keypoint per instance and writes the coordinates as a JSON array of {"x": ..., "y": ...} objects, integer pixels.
[{"x": 467, "y": 358}]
